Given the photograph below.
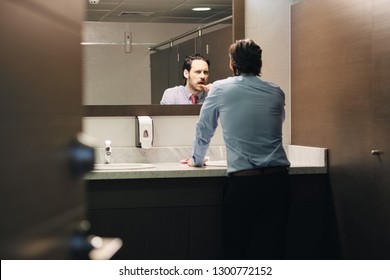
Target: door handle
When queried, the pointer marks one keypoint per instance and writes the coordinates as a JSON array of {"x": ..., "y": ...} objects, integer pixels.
[
  {"x": 376, "y": 152},
  {"x": 81, "y": 156}
]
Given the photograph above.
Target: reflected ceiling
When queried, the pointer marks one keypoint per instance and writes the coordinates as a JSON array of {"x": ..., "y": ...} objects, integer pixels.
[{"x": 157, "y": 11}]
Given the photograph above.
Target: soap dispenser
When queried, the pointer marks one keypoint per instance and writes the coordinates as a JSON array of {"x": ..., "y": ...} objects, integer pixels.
[
  {"x": 107, "y": 152},
  {"x": 144, "y": 133}
]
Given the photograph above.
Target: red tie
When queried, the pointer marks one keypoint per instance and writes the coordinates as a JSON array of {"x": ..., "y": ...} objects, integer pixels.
[{"x": 194, "y": 99}]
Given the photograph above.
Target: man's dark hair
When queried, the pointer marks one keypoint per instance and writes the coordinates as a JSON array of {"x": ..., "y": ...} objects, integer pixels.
[
  {"x": 245, "y": 55},
  {"x": 188, "y": 61}
]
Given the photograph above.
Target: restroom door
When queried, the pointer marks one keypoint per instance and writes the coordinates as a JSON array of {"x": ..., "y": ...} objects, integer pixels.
[
  {"x": 340, "y": 100},
  {"x": 40, "y": 113},
  {"x": 381, "y": 122}
]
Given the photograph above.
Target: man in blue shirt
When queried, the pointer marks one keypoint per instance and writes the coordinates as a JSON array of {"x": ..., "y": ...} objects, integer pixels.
[
  {"x": 251, "y": 113},
  {"x": 194, "y": 90}
]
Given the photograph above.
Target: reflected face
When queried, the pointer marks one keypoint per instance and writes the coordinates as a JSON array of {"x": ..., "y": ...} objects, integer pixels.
[{"x": 198, "y": 76}]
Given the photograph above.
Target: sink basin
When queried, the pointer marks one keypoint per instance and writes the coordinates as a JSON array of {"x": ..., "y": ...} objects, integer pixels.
[
  {"x": 219, "y": 163},
  {"x": 122, "y": 166}
]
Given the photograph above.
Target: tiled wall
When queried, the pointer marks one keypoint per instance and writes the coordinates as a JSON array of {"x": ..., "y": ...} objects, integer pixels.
[
  {"x": 113, "y": 76},
  {"x": 268, "y": 24},
  {"x": 169, "y": 131}
]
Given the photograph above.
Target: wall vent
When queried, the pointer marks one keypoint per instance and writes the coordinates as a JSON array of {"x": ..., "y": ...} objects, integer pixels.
[{"x": 135, "y": 14}]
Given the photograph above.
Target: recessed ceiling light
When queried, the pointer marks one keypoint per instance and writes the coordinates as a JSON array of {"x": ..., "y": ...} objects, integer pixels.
[{"x": 201, "y": 9}]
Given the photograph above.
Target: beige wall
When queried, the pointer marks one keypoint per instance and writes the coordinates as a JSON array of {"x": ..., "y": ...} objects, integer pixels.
[
  {"x": 113, "y": 76},
  {"x": 169, "y": 131},
  {"x": 268, "y": 24}
]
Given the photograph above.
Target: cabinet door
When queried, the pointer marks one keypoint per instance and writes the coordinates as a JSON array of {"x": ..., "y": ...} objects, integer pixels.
[
  {"x": 205, "y": 236},
  {"x": 147, "y": 233}
]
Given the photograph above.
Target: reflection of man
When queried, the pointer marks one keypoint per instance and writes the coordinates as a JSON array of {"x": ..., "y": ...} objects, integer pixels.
[{"x": 194, "y": 90}]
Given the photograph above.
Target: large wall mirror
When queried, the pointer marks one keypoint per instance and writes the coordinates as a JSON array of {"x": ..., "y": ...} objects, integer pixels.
[{"x": 122, "y": 39}]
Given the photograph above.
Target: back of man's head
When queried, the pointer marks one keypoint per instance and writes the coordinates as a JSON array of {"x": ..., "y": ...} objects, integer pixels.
[{"x": 245, "y": 56}]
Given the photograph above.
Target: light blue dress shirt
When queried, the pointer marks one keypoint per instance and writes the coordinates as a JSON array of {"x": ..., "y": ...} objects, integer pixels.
[
  {"x": 251, "y": 113},
  {"x": 180, "y": 95}
]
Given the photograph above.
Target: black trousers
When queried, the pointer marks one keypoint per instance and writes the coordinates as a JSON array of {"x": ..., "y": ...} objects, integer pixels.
[{"x": 255, "y": 216}]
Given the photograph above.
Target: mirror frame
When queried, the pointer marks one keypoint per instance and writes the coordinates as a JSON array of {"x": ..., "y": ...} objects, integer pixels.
[
  {"x": 140, "y": 110},
  {"x": 238, "y": 7}
]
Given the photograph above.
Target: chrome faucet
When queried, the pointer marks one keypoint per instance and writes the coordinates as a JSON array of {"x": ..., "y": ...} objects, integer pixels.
[{"x": 108, "y": 150}]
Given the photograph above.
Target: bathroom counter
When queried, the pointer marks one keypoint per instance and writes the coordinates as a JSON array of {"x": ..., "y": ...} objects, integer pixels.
[
  {"x": 166, "y": 162},
  {"x": 178, "y": 170},
  {"x": 173, "y": 211}
]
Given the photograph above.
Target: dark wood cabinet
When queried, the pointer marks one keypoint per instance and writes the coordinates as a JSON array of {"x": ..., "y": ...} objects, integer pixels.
[
  {"x": 147, "y": 233},
  {"x": 180, "y": 218},
  {"x": 159, "y": 218}
]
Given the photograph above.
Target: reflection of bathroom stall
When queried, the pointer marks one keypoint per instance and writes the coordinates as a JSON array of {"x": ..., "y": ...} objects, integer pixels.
[
  {"x": 159, "y": 74},
  {"x": 41, "y": 204},
  {"x": 166, "y": 64},
  {"x": 215, "y": 46}
]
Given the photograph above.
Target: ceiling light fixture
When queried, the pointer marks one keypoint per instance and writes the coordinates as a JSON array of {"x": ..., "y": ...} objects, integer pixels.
[{"x": 201, "y": 9}]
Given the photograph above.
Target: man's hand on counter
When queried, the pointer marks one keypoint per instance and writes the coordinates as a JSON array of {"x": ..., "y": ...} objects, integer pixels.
[{"x": 190, "y": 162}]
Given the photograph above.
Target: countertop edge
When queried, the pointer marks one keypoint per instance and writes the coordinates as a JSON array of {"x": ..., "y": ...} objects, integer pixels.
[{"x": 183, "y": 171}]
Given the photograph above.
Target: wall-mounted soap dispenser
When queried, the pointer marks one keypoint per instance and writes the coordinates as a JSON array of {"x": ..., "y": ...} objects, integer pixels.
[{"x": 144, "y": 132}]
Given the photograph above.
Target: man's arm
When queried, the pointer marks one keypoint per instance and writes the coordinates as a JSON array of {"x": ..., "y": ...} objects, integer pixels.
[{"x": 205, "y": 129}]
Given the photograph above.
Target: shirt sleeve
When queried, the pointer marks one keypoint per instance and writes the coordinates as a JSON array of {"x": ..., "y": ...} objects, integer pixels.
[
  {"x": 205, "y": 128},
  {"x": 166, "y": 98}
]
